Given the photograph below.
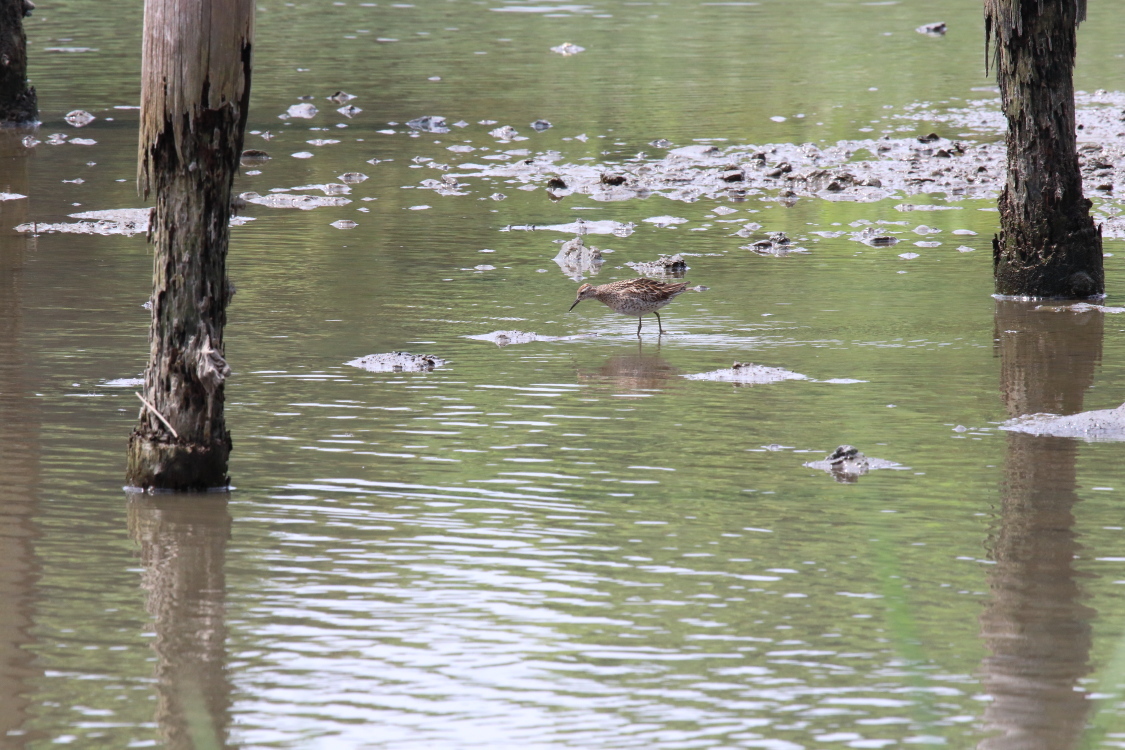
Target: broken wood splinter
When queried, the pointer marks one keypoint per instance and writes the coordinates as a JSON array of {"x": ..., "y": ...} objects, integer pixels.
[{"x": 158, "y": 416}]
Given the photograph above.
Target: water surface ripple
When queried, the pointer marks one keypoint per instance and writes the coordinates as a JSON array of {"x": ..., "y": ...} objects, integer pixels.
[{"x": 579, "y": 538}]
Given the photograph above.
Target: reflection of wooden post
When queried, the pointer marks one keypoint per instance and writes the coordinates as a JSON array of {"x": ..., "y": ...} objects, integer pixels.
[
  {"x": 1048, "y": 244},
  {"x": 18, "y": 105},
  {"x": 13, "y": 179},
  {"x": 1034, "y": 623},
  {"x": 19, "y": 462},
  {"x": 195, "y": 91},
  {"x": 183, "y": 543}
]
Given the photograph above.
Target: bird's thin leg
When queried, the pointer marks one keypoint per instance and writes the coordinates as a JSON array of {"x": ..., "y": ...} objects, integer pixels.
[
  {"x": 658, "y": 323},
  {"x": 639, "y": 319}
]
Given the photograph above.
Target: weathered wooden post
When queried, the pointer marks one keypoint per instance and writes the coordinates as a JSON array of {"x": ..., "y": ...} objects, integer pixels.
[
  {"x": 1048, "y": 245},
  {"x": 18, "y": 104},
  {"x": 195, "y": 91}
]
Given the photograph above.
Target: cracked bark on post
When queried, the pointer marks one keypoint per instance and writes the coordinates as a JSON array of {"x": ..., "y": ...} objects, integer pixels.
[
  {"x": 1048, "y": 245},
  {"x": 18, "y": 104},
  {"x": 194, "y": 95}
]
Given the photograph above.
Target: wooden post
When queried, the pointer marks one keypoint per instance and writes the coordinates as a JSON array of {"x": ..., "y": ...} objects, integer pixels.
[
  {"x": 1048, "y": 245},
  {"x": 195, "y": 91},
  {"x": 18, "y": 105}
]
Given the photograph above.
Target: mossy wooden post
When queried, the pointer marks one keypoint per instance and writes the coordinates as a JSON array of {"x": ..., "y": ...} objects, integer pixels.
[
  {"x": 18, "y": 104},
  {"x": 194, "y": 94},
  {"x": 1048, "y": 245}
]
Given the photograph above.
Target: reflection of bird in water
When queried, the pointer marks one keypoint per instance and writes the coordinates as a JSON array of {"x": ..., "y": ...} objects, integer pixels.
[
  {"x": 637, "y": 297},
  {"x": 638, "y": 371}
]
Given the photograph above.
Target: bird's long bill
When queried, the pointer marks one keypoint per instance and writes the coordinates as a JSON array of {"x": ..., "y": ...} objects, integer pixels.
[{"x": 575, "y": 303}]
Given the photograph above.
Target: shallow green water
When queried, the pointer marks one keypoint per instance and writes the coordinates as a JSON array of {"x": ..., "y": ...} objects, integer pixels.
[{"x": 556, "y": 544}]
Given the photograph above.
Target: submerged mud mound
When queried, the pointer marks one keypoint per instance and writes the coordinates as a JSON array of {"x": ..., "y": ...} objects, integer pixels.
[
  {"x": 508, "y": 338},
  {"x": 577, "y": 259},
  {"x": 397, "y": 362},
  {"x": 580, "y": 226},
  {"x": 846, "y": 464},
  {"x": 666, "y": 265},
  {"x": 1082, "y": 307},
  {"x": 1105, "y": 425},
  {"x": 777, "y": 245},
  {"x": 123, "y": 221},
  {"x": 302, "y": 202},
  {"x": 742, "y": 373}
]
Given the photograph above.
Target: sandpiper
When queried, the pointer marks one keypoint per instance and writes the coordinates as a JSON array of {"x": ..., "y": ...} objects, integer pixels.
[{"x": 637, "y": 297}]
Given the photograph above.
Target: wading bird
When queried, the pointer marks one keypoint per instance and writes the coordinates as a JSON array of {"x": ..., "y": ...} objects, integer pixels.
[{"x": 637, "y": 297}]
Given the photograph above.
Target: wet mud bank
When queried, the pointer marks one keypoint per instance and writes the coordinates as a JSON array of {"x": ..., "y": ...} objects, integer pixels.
[{"x": 947, "y": 166}]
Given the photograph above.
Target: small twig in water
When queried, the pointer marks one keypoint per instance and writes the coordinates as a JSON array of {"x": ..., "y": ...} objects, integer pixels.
[{"x": 158, "y": 415}]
